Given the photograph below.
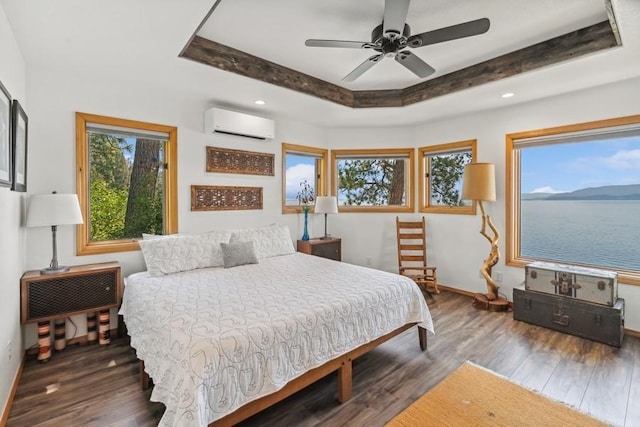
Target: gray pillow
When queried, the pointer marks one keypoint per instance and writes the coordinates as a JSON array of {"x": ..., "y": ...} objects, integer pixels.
[{"x": 238, "y": 253}]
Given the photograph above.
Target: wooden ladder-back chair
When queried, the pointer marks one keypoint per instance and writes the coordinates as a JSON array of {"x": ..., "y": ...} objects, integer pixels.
[{"x": 412, "y": 254}]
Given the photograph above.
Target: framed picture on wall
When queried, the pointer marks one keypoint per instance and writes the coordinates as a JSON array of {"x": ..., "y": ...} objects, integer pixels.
[
  {"x": 5, "y": 137},
  {"x": 19, "y": 133}
]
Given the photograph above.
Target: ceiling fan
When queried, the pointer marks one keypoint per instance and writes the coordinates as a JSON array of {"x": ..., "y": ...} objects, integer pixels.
[{"x": 390, "y": 39}]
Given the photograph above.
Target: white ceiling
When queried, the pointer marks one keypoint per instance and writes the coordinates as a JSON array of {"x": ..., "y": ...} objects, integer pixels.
[
  {"x": 139, "y": 41},
  {"x": 276, "y": 30}
]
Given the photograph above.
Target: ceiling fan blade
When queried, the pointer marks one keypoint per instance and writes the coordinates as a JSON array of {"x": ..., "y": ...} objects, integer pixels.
[
  {"x": 414, "y": 64},
  {"x": 395, "y": 15},
  {"x": 360, "y": 69},
  {"x": 458, "y": 31},
  {"x": 336, "y": 43}
]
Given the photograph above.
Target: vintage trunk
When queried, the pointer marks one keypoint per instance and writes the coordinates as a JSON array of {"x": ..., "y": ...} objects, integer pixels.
[
  {"x": 587, "y": 284},
  {"x": 584, "y": 319}
]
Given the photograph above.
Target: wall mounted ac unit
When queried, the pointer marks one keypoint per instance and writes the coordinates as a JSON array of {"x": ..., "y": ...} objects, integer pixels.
[{"x": 234, "y": 123}]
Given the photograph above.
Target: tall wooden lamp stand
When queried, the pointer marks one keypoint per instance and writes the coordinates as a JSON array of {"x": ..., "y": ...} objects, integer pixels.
[{"x": 479, "y": 184}]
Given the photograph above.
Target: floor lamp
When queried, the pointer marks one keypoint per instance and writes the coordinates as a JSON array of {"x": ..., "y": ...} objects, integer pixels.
[{"x": 479, "y": 184}]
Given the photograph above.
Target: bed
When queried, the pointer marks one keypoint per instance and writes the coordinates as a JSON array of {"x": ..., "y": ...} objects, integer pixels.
[{"x": 223, "y": 343}]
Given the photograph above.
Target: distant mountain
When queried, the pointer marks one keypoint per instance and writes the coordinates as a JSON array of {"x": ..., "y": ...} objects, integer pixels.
[
  {"x": 535, "y": 196},
  {"x": 608, "y": 192}
]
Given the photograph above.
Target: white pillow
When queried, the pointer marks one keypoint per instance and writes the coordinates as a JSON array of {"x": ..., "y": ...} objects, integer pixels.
[
  {"x": 183, "y": 253},
  {"x": 146, "y": 236},
  {"x": 268, "y": 241},
  {"x": 242, "y": 230}
]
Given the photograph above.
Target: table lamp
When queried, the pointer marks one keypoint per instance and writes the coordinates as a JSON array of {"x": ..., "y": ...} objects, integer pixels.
[
  {"x": 326, "y": 205},
  {"x": 53, "y": 210}
]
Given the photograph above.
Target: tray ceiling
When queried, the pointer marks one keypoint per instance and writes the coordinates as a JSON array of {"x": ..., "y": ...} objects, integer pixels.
[{"x": 265, "y": 41}]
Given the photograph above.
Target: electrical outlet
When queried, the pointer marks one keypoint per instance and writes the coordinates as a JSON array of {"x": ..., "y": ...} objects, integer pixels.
[
  {"x": 368, "y": 260},
  {"x": 498, "y": 276},
  {"x": 9, "y": 349}
]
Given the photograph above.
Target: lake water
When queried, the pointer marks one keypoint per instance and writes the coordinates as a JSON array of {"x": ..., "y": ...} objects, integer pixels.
[{"x": 596, "y": 232}]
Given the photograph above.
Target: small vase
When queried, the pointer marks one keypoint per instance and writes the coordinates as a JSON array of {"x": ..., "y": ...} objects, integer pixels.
[{"x": 305, "y": 234}]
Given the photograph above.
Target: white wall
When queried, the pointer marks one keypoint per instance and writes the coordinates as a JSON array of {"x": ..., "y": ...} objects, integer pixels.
[
  {"x": 12, "y": 242},
  {"x": 54, "y": 97},
  {"x": 456, "y": 246}
]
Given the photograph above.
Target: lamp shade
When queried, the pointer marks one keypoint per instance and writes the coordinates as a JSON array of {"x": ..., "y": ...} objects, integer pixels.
[
  {"x": 479, "y": 182},
  {"x": 53, "y": 209},
  {"x": 326, "y": 205}
]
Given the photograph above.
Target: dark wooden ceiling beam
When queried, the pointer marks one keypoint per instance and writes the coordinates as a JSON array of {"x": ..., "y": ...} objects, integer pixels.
[
  {"x": 236, "y": 61},
  {"x": 568, "y": 46},
  {"x": 378, "y": 98}
]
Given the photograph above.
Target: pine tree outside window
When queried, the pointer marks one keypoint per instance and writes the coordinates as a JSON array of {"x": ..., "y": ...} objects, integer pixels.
[
  {"x": 376, "y": 180},
  {"x": 440, "y": 177},
  {"x": 127, "y": 173}
]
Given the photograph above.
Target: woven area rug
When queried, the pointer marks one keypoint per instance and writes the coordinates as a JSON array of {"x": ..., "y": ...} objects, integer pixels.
[{"x": 475, "y": 396}]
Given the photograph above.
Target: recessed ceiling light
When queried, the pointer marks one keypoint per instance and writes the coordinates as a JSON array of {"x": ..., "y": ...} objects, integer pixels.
[
  {"x": 508, "y": 94},
  {"x": 259, "y": 102}
]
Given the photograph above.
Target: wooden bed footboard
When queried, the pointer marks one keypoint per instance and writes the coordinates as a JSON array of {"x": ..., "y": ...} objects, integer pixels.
[
  {"x": 342, "y": 364},
  {"x": 144, "y": 376}
]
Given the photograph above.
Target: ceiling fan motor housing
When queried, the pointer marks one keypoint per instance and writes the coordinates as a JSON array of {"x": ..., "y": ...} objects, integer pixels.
[{"x": 390, "y": 43}]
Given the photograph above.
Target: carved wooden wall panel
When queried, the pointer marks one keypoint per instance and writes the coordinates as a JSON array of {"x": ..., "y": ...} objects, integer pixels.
[
  {"x": 225, "y": 198},
  {"x": 239, "y": 161}
]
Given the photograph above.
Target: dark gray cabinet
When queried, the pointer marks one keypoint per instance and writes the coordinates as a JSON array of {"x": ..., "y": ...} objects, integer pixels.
[
  {"x": 582, "y": 318},
  {"x": 326, "y": 248}
]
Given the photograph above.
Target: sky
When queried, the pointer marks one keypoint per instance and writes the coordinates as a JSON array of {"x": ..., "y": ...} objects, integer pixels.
[
  {"x": 299, "y": 168},
  {"x": 573, "y": 166}
]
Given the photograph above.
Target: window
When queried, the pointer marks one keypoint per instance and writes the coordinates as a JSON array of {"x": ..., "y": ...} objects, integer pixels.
[
  {"x": 302, "y": 165},
  {"x": 373, "y": 180},
  {"x": 573, "y": 196},
  {"x": 440, "y": 185},
  {"x": 126, "y": 182}
]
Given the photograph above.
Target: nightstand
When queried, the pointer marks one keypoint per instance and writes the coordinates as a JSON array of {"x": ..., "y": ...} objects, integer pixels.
[
  {"x": 86, "y": 288},
  {"x": 330, "y": 248}
]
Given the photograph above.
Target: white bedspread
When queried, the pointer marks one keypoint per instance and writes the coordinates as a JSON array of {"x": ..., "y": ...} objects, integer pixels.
[{"x": 215, "y": 339}]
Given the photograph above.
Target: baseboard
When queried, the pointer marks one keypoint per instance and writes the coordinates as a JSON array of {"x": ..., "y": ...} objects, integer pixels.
[
  {"x": 12, "y": 393},
  {"x": 455, "y": 290},
  {"x": 630, "y": 332}
]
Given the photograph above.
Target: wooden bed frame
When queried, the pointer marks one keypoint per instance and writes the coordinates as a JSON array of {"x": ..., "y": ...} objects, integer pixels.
[{"x": 342, "y": 364}]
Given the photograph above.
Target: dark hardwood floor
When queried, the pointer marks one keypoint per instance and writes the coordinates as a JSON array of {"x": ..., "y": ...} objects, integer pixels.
[{"x": 98, "y": 386}]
